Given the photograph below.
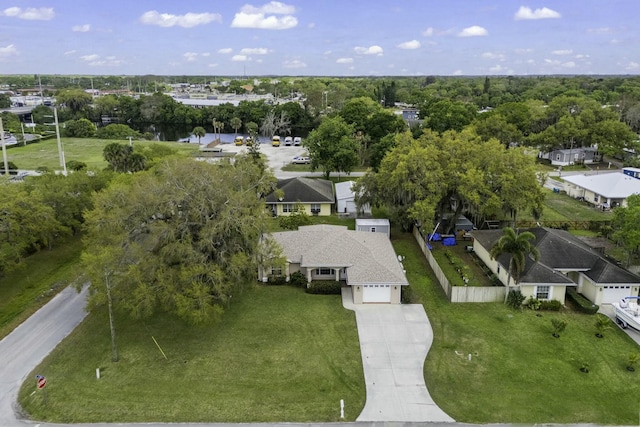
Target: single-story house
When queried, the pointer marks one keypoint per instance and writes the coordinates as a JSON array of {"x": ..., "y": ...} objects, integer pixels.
[
  {"x": 565, "y": 261},
  {"x": 366, "y": 262},
  {"x": 570, "y": 156},
  {"x": 346, "y": 200},
  {"x": 374, "y": 225},
  {"x": 315, "y": 195},
  {"x": 606, "y": 190}
]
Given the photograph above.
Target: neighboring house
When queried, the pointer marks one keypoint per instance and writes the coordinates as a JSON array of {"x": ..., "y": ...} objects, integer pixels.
[
  {"x": 564, "y": 261},
  {"x": 578, "y": 155},
  {"x": 374, "y": 225},
  {"x": 346, "y": 200},
  {"x": 462, "y": 223},
  {"x": 366, "y": 262},
  {"x": 315, "y": 195},
  {"x": 606, "y": 190}
]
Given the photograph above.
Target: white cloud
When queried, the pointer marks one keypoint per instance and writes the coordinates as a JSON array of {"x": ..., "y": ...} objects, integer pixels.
[
  {"x": 344, "y": 61},
  {"x": 254, "y": 51},
  {"x": 205, "y": 54},
  {"x": 428, "y": 32},
  {"x": 412, "y": 44},
  {"x": 457, "y": 73},
  {"x": 225, "y": 50},
  {"x": 91, "y": 57},
  {"x": 562, "y": 52},
  {"x": 311, "y": 25},
  {"x": 109, "y": 61},
  {"x": 190, "y": 56},
  {"x": 81, "y": 28},
  {"x": 493, "y": 55},
  {"x": 188, "y": 20},
  {"x": 30, "y": 13},
  {"x": 371, "y": 50},
  {"x": 295, "y": 63},
  {"x": 496, "y": 68},
  {"x": 264, "y": 17},
  {"x": 8, "y": 51},
  {"x": 70, "y": 52},
  {"x": 569, "y": 64},
  {"x": 632, "y": 66},
  {"x": 601, "y": 30},
  {"x": 473, "y": 31},
  {"x": 582, "y": 56},
  {"x": 527, "y": 13},
  {"x": 239, "y": 58},
  {"x": 212, "y": 65}
]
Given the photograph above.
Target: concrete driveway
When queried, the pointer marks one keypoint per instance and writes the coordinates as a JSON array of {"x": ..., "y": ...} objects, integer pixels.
[{"x": 394, "y": 341}]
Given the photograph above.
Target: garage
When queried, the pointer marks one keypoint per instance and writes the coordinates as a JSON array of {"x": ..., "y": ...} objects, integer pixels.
[
  {"x": 376, "y": 293},
  {"x": 615, "y": 293}
]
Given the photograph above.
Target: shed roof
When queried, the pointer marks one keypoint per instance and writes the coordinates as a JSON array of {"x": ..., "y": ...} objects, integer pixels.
[
  {"x": 344, "y": 190},
  {"x": 369, "y": 257}
]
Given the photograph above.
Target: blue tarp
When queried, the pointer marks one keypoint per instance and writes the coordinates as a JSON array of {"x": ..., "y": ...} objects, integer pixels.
[
  {"x": 435, "y": 237},
  {"x": 449, "y": 241}
]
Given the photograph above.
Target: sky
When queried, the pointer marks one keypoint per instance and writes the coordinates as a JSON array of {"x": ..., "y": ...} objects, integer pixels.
[{"x": 319, "y": 37}]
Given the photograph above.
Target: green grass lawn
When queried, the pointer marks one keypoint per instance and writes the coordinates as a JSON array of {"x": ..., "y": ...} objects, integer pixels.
[
  {"x": 560, "y": 207},
  {"x": 520, "y": 373},
  {"x": 87, "y": 150},
  {"x": 24, "y": 291},
  {"x": 279, "y": 354}
]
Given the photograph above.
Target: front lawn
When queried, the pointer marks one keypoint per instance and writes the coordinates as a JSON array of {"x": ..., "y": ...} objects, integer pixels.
[
  {"x": 518, "y": 372},
  {"x": 279, "y": 354}
]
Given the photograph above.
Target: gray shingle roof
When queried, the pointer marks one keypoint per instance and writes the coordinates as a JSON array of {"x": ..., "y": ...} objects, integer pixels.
[
  {"x": 560, "y": 250},
  {"x": 369, "y": 257},
  {"x": 304, "y": 190}
]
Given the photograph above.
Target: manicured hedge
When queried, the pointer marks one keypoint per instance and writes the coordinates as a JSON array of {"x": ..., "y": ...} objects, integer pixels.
[
  {"x": 583, "y": 304},
  {"x": 324, "y": 287}
]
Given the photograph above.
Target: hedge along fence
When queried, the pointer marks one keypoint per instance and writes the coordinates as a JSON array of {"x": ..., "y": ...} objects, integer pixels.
[
  {"x": 458, "y": 293},
  {"x": 596, "y": 226}
]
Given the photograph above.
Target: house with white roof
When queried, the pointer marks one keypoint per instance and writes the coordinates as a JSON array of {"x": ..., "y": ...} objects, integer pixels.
[
  {"x": 366, "y": 262},
  {"x": 606, "y": 190}
]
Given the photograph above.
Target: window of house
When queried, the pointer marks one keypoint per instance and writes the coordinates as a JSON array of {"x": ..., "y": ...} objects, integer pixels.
[
  {"x": 325, "y": 271},
  {"x": 276, "y": 271},
  {"x": 542, "y": 292},
  {"x": 557, "y": 156},
  {"x": 596, "y": 198},
  {"x": 315, "y": 208},
  {"x": 287, "y": 207},
  {"x": 372, "y": 229}
]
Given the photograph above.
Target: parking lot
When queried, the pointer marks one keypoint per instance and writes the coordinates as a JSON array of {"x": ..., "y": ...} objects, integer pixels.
[{"x": 277, "y": 156}]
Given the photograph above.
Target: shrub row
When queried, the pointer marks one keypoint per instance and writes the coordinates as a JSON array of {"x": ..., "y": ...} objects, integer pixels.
[
  {"x": 324, "y": 287},
  {"x": 583, "y": 304},
  {"x": 548, "y": 305}
]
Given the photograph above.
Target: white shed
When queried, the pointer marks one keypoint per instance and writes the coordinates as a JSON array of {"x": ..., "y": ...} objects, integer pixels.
[
  {"x": 346, "y": 199},
  {"x": 374, "y": 225}
]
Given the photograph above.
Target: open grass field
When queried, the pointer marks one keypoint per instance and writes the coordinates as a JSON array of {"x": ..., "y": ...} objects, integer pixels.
[
  {"x": 24, "y": 291},
  {"x": 560, "y": 207},
  {"x": 87, "y": 150},
  {"x": 278, "y": 354},
  {"x": 520, "y": 373}
]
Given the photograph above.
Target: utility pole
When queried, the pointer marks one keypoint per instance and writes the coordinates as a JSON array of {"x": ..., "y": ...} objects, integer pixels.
[
  {"x": 4, "y": 149},
  {"x": 60, "y": 148}
]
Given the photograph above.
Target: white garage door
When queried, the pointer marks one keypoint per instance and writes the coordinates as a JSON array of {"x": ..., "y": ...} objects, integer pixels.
[
  {"x": 615, "y": 293},
  {"x": 376, "y": 293}
]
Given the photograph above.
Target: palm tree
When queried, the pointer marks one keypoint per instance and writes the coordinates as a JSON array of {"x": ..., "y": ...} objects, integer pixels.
[
  {"x": 199, "y": 132},
  {"x": 519, "y": 246},
  {"x": 236, "y": 123}
]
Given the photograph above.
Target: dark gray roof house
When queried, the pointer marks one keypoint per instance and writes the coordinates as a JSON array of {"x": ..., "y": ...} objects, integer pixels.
[
  {"x": 564, "y": 261},
  {"x": 316, "y": 195}
]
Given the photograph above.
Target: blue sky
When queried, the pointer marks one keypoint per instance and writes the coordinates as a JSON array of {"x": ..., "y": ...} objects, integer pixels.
[{"x": 320, "y": 37}]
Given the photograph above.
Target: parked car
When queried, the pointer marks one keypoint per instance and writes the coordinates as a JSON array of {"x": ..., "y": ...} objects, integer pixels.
[
  {"x": 288, "y": 141},
  {"x": 275, "y": 141},
  {"x": 249, "y": 141},
  {"x": 297, "y": 140},
  {"x": 301, "y": 160},
  {"x": 239, "y": 140}
]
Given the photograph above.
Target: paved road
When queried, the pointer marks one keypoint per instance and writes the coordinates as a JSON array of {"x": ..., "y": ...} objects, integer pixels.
[{"x": 31, "y": 342}]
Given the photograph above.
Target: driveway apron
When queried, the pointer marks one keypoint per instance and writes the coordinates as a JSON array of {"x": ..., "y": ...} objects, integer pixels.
[{"x": 394, "y": 341}]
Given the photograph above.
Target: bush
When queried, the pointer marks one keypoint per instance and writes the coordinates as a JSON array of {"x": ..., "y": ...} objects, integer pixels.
[
  {"x": 324, "y": 287},
  {"x": 298, "y": 280},
  {"x": 276, "y": 280},
  {"x": 551, "y": 305},
  {"x": 534, "y": 303},
  {"x": 75, "y": 165},
  {"x": 582, "y": 304},
  {"x": 407, "y": 296},
  {"x": 515, "y": 299}
]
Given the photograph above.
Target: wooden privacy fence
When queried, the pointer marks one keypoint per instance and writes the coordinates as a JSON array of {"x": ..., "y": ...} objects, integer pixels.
[{"x": 458, "y": 293}]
